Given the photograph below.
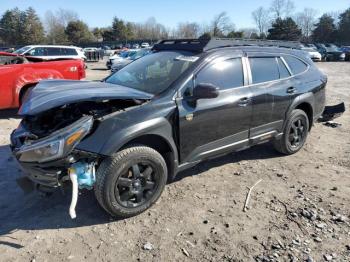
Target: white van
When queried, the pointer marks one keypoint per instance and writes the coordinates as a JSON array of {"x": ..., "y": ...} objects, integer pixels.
[{"x": 49, "y": 52}]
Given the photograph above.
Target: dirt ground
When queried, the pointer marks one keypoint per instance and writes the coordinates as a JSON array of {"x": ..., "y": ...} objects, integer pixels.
[{"x": 299, "y": 212}]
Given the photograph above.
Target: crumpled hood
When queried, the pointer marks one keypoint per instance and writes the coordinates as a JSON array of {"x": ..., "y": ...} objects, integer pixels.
[{"x": 49, "y": 94}]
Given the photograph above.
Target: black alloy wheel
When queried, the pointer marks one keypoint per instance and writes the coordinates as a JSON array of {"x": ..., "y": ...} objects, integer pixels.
[
  {"x": 297, "y": 132},
  {"x": 130, "y": 181},
  {"x": 137, "y": 185}
]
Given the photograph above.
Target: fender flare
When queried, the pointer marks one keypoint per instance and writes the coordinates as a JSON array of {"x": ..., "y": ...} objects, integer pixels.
[
  {"x": 303, "y": 98},
  {"x": 158, "y": 127}
]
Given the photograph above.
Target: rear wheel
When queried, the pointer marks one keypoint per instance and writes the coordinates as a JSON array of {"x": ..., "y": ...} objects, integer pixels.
[
  {"x": 295, "y": 133},
  {"x": 131, "y": 181}
]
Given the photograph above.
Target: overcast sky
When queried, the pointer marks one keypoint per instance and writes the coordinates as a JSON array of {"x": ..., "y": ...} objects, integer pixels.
[{"x": 170, "y": 13}]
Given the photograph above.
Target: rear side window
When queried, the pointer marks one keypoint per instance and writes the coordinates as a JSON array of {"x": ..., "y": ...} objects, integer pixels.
[
  {"x": 296, "y": 66},
  {"x": 224, "y": 74},
  {"x": 53, "y": 51},
  {"x": 70, "y": 51},
  {"x": 264, "y": 69},
  {"x": 284, "y": 73}
]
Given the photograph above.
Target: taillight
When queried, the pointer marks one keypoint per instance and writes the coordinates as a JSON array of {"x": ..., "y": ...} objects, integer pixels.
[{"x": 81, "y": 70}]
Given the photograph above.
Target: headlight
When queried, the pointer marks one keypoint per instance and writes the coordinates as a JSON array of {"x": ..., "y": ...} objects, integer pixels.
[
  {"x": 42, "y": 152},
  {"x": 342, "y": 55},
  {"x": 58, "y": 144}
]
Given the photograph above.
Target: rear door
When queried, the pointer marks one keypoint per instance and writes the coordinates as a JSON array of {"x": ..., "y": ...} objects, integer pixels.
[
  {"x": 212, "y": 126},
  {"x": 270, "y": 80}
]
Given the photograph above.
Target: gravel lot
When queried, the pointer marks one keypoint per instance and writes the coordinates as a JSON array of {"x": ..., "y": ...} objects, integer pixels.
[{"x": 299, "y": 211}]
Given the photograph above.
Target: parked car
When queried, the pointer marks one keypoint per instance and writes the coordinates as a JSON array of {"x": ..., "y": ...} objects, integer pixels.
[
  {"x": 163, "y": 113},
  {"x": 117, "y": 65},
  {"x": 20, "y": 74},
  {"x": 314, "y": 54},
  {"x": 90, "y": 49},
  {"x": 119, "y": 57},
  {"x": 330, "y": 52},
  {"x": 346, "y": 51},
  {"x": 107, "y": 50},
  {"x": 50, "y": 52},
  {"x": 135, "y": 46},
  {"x": 311, "y": 46},
  {"x": 145, "y": 45}
]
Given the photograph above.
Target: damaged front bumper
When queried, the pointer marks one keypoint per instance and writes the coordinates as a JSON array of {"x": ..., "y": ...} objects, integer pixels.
[{"x": 45, "y": 161}]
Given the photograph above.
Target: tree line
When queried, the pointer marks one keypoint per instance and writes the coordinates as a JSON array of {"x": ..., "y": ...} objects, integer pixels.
[{"x": 279, "y": 22}]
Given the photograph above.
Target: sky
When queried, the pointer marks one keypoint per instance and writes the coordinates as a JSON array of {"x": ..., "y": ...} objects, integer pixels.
[{"x": 170, "y": 13}]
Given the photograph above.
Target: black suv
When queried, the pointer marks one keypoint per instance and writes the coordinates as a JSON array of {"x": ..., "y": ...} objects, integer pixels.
[{"x": 188, "y": 101}]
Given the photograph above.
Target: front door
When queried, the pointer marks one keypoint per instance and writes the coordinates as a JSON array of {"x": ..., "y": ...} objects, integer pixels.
[{"x": 208, "y": 127}]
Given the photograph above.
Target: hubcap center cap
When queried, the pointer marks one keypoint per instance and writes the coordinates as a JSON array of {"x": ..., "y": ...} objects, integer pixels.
[{"x": 137, "y": 184}]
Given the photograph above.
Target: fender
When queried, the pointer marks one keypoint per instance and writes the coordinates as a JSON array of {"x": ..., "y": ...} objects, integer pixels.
[
  {"x": 158, "y": 126},
  {"x": 303, "y": 98}
]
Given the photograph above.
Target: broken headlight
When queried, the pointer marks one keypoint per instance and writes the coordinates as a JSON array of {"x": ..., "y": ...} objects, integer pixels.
[{"x": 58, "y": 144}]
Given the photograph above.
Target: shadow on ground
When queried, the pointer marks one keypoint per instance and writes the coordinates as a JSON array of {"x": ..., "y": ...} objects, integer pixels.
[{"x": 20, "y": 211}]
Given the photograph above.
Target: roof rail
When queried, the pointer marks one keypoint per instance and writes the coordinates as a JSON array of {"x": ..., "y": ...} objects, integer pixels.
[{"x": 201, "y": 45}]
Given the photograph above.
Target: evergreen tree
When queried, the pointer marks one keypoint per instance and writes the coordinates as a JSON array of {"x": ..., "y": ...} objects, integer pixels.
[
  {"x": 325, "y": 30},
  {"x": 284, "y": 29},
  {"x": 78, "y": 32},
  {"x": 10, "y": 26},
  {"x": 33, "y": 32},
  {"x": 119, "y": 29},
  {"x": 344, "y": 27}
]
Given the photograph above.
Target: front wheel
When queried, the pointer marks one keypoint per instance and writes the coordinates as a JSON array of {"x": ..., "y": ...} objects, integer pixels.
[
  {"x": 294, "y": 134},
  {"x": 131, "y": 181}
]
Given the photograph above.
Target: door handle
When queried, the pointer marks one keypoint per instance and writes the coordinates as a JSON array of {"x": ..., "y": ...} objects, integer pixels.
[
  {"x": 291, "y": 90},
  {"x": 244, "y": 101}
]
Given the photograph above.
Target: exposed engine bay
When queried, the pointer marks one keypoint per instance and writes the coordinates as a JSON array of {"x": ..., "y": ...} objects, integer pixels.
[{"x": 44, "y": 124}]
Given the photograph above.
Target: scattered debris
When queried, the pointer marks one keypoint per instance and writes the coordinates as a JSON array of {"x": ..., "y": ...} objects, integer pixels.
[
  {"x": 248, "y": 195},
  {"x": 328, "y": 257},
  {"x": 185, "y": 252},
  {"x": 148, "y": 246},
  {"x": 331, "y": 124},
  {"x": 339, "y": 218}
]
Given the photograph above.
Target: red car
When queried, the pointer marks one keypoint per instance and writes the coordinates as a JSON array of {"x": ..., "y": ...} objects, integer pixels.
[{"x": 18, "y": 74}]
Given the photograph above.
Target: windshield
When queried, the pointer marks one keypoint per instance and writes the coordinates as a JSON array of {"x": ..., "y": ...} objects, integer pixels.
[
  {"x": 139, "y": 54},
  {"x": 22, "y": 50},
  {"x": 155, "y": 72}
]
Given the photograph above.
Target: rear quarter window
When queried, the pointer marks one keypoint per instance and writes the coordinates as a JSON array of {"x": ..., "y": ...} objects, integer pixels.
[
  {"x": 264, "y": 69},
  {"x": 296, "y": 65},
  {"x": 69, "y": 51}
]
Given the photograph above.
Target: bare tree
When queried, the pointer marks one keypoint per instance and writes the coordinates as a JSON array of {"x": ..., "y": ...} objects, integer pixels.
[
  {"x": 150, "y": 29},
  {"x": 55, "y": 24},
  {"x": 187, "y": 30},
  {"x": 281, "y": 8},
  {"x": 261, "y": 17},
  {"x": 306, "y": 20},
  {"x": 221, "y": 25}
]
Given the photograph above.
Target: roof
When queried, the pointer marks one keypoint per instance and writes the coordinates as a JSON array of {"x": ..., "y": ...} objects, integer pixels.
[
  {"x": 63, "y": 46},
  {"x": 203, "y": 45}
]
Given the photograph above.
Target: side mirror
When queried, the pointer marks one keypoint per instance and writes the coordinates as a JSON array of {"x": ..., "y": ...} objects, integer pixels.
[{"x": 205, "y": 91}]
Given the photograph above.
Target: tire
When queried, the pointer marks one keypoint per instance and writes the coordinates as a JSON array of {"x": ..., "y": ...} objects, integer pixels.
[
  {"x": 130, "y": 174},
  {"x": 294, "y": 134}
]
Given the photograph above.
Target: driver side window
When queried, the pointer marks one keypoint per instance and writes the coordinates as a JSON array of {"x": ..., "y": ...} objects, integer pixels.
[{"x": 224, "y": 74}]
